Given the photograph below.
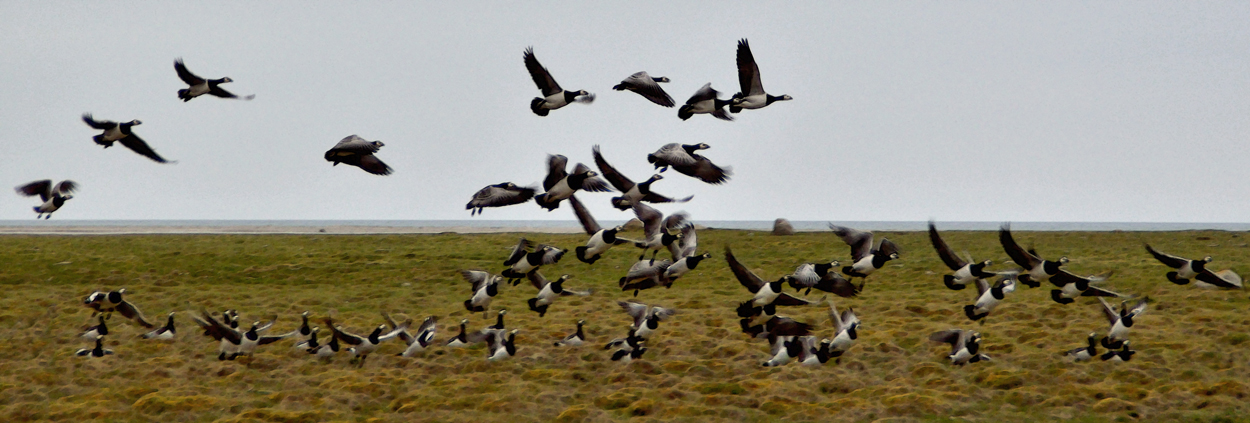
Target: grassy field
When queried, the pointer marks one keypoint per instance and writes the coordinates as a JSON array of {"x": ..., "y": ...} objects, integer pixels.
[{"x": 1193, "y": 361}]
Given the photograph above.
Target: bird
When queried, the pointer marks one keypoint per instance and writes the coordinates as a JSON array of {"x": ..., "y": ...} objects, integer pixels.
[
  {"x": 846, "y": 331},
  {"x": 1124, "y": 354},
  {"x": 965, "y": 346},
  {"x": 648, "y": 87},
  {"x": 866, "y": 259},
  {"x": 92, "y": 332},
  {"x": 498, "y": 347},
  {"x": 251, "y": 339},
  {"x": 988, "y": 297},
  {"x": 655, "y": 237},
  {"x": 464, "y": 338},
  {"x": 600, "y": 239},
  {"x": 705, "y": 101},
  {"x": 200, "y": 86},
  {"x": 485, "y": 288},
  {"x": 164, "y": 333},
  {"x": 685, "y": 160},
  {"x": 309, "y": 344},
  {"x": 646, "y": 274},
  {"x": 96, "y": 352},
  {"x": 560, "y": 184},
  {"x": 304, "y": 331},
  {"x": 575, "y": 339},
  {"x": 783, "y": 349},
  {"x": 498, "y": 320},
  {"x": 1037, "y": 270},
  {"x": 1187, "y": 269},
  {"x": 362, "y": 346},
  {"x": 684, "y": 265},
  {"x": 522, "y": 260},
  {"x": 687, "y": 242},
  {"x": 767, "y": 295},
  {"x": 548, "y": 291},
  {"x": 823, "y": 277},
  {"x": 1072, "y": 286},
  {"x": 422, "y": 340},
  {"x": 122, "y": 132},
  {"x": 356, "y": 151},
  {"x": 107, "y": 302},
  {"x": 752, "y": 95},
  {"x": 631, "y": 192},
  {"x": 1120, "y": 322},
  {"x": 812, "y": 354},
  {"x": 553, "y": 97},
  {"x": 498, "y": 195},
  {"x": 965, "y": 270},
  {"x": 229, "y": 337},
  {"x": 646, "y": 318},
  {"x": 1087, "y": 352},
  {"x": 328, "y": 350},
  {"x": 632, "y": 349},
  {"x": 53, "y": 196}
]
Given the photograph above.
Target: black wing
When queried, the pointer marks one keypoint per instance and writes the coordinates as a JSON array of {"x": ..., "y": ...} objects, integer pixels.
[
  {"x": 1018, "y": 254},
  {"x": 369, "y": 163},
  {"x": 647, "y": 87},
  {"x": 218, "y": 91},
  {"x": 131, "y": 312},
  {"x": 136, "y": 144},
  {"x": 186, "y": 75},
  {"x": 619, "y": 181},
  {"x": 748, "y": 72},
  {"x": 499, "y": 195},
  {"x": 944, "y": 251},
  {"x": 97, "y": 124},
  {"x": 542, "y": 78},
  {"x": 588, "y": 222},
  {"x": 1168, "y": 259},
  {"x": 41, "y": 188},
  {"x": 705, "y": 170},
  {"x": 745, "y": 277},
  {"x": 555, "y": 170}
]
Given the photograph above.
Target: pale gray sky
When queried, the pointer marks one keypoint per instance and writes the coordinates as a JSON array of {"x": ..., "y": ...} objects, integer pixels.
[{"x": 958, "y": 111}]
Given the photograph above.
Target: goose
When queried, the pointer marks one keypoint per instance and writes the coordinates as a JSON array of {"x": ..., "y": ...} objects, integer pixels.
[
  {"x": 600, "y": 239},
  {"x": 200, "y": 86},
  {"x": 965, "y": 271},
  {"x": 684, "y": 159},
  {"x": 687, "y": 237},
  {"x": 1037, "y": 269},
  {"x": 783, "y": 327},
  {"x": 1087, "y": 352},
  {"x": 229, "y": 337},
  {"x": 464, "y": 338},
  {"x": 866, "y": 259},
  {"x": 823, "y": 277},
  {"x": 121, "y": 132},
  {"x": 356, "y": 151},
  {"x": 422, "y": 340},
  {"x": 106, "y": 303},
  {"x": 575, "y": 339},
  {"x": 1120, "y": 322},
  {"x": 485, "y": 288},
  {"x": 553, "y": 97},
  {"x": 1124, "y": 354},
  {"x": 646, "y": 318},
  {"x": 251, "y": 339},
  {"x": 53, "y": 196},
  {"x": 784, "y": 349},
  {"x": 988, "y": 297},
  {"x": 846, "y": 330},
  {"x": 684, "y": 265},
  {"x": 630, "y": 339},
  {"x": 560, "y": 184},
  {"x": 629, "y": 353},
  {"x": 163, "y": 333},
  {"x": 328, "y": 350},
  {"x": 498, "y": 195},
  {"x": 965, "y": 345},
  {"x": 1187, "y": 269},
  {"x": 96, "y": 352},
  {"x": 304, "y": 331},
  {"x": 631, "y": 192},
  {"x": 498, "y": 320},
  {"x": 705, "y": 101},
  {"x": 648, "y": 87},
  {"x": 362, "y": 346},
  {"x": 522, "y": 261},
  {"x": 548, "y": 291},
  {"x": 646, "y": 274},
  {"x": 655, "y": 237},
  {"x": 498, "y": 347},
  {"x": 767, "y": 295},
  {"x": 752, "y": 95},
  {"x": 92, "y": 332},
  {"x": 813, "y": 355},
  {"x": 309, "y": 344},
  {"x": 1072, "y": 286}
]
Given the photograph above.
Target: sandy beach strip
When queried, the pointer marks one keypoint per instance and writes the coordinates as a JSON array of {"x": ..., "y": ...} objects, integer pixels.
[{"x": 272, "y": 230}]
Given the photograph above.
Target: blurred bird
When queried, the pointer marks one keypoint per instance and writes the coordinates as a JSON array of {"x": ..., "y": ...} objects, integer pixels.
[
  {"x": 163, "y": 333},
  {"x": 684, "y": 159},
  {"x": 965, "y": 345},
  {"x": 498, "y": 195},
  {"x": 1187, "y": 269},
  {"x": 648, "y": 87},
  {"x": 200, "y": 86},
  {"x": 600, "y": 239},
  {"x": 630, "y": 192},
  {"x": 560, "y": 184},
  {"x": 553, "y": 97},
  {"x": 107, "y": 302},
  {"x": 988, "y": 297},
  {"x": 575, "y": 339},
  {"x": 356, "y": 151},
  {"x": 965, "y": 271},
  {"x": 1037, "y": 270},
  {"x": 705, "y": 101},
  {"x": 53, "y": 196},
  {"x": 866, "y": 259},
  {"x": 121, "y": 132},
  {"x": 96, "y": 352}
]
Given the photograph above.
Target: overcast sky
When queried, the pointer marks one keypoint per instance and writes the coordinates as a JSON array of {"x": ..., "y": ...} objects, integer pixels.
[{"x": 957, "y": 111}]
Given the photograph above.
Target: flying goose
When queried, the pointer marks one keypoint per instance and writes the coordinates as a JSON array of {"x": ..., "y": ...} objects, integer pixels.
[
  {"x": 687, "y": 237},
  {"x": 705, "y": 101},
  {"x": 965, "y": 271},
  {"x": 553, "y": 97},
  {"x": 309, "y": 344},
  {"x": 866, "y": 259},
  {"x": 813, "y": 355},
  {"x": 422, "y": 340},
  {"x": 1120, "y": 322},
  {"x": 328, "y": 350},
  {"x": 1087, "y": 352},
  {"x": 252, "y": 338},
  {"x": 632, "y": 349},
  {"x": 1037, "y": 269},
  {"x": 631, "y": 192},
  {"x": 1187, "y": 269},
  {"x": 630, "y": 339},
  {"x": 163, "y": 333},
  {"x": 121, "y": 132},
  {"x": 846, "y": 330},
  {"x": 646, "y": 318},
  {"x": 965, "y": 345},
  {"x": 684, "y": 265},
  {"x": 752, "y": 95},
  {"x": 575, "y": 339},
  {"x": 356, "y": 151},
  {"x": 107, "y": 302},
  {"x": 53, "y": 196},
  {"x": 600, "y": 239},
  {"x": 200, "y": 86},
  {"x": 646, "y": 274},
  {"x": 305, "y": 330},
  {"x": 1072, "y": 286},
  {"x": 498, "y": 195},
  {"x": 499, "y": 347},
  {"x": 783, "y": 349},
  {"x": 485, "y": 288},
  {"x": 362, "y": 346},
  {"x": 648, "y": 87},
  {"x": 499, "y": 320},
  {"x": 1124, "y": 354},
  {"x": 96, "y": 352},
  {"x": 684, "y": 159},
  {"x": 655, "y": 237},
  {"x": 823, "y": 277},
  {"x": 988, "y": 297},
  {"x": 92, "y": 332},
  {"x": 548, "y": 291},
  {"x": 465, "y": 338},
  {"x": 767, "y": 295},
  {"x": 229, "y": 337},
  {"x": 560, "y": 184},
  {"x": 522, "y": 261}
]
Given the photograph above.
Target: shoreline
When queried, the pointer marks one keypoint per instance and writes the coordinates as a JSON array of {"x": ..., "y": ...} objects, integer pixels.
[{"x": 244, "y": 229}]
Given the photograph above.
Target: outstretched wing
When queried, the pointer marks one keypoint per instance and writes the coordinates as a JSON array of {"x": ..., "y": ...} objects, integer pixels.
[
  {"x": 134, "y": 143},
  {"x": 97, "y": 124},
  {"x": 748, "y": 72},
  {"x": 1018, "y": 254},
  {"x": 618, "y": 181},
  {"x": 588, "y": 222},
  {"x": 131, "y": 312},
  {"x": 859, "y": 241},
  {"x": 542, "y": 78},
  {"x": 944, "y": 251},
  {"x": 1168, "y": 259},
  {"x": 186, "y": 75},
  {"x": 41, "y": 188},
  {"x": 745, "y": 276},
  {"x": 646, "y": 86},
  {"x": 555, "y": 170}
]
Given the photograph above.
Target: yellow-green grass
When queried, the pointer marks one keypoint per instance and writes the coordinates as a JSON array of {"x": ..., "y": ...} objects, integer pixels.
[{"x": 1193, "y": 361}]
